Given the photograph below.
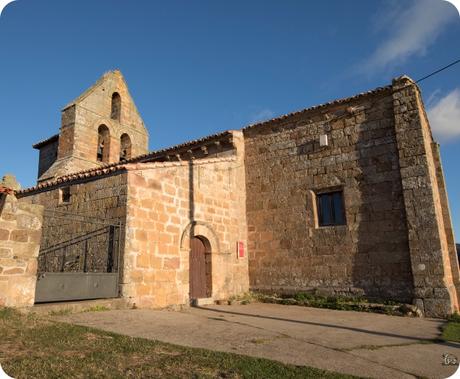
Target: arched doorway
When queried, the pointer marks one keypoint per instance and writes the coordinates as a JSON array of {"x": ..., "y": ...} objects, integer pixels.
[{"x": 200, "y": 268}]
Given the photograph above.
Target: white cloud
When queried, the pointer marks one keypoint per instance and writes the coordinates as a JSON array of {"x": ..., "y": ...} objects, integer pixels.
[
  {"x": 411, "y": 31},
  {"x": 444, "y": 116},
  {"x": 262, "y": 115},
  {"x": 432, "y": 97}
]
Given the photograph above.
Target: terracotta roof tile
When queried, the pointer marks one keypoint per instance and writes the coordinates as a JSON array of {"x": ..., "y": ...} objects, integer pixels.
[
  {"x": 75, "y": 176},
  {"x": 6, "y": 190},
  {"x": 172, "y": 149},
  {"x": 112, "y": 167},
  {"x": 108, "y": 169}
]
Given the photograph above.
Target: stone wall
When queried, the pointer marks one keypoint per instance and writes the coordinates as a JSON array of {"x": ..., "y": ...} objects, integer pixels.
[
  {"x": 285, "y": 169},
  {"x": 47, "y": 156},
  {"x": 20, "y": 231},
  {"x": 161, "y": 205},
  {"x": 169, "y": 202},
  {"x": 431, "y": 242},
  {"x": 81, "y": 222},
  {"x": 397, "y": 242}
]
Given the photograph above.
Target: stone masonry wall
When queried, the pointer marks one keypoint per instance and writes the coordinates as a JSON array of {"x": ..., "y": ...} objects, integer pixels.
[
  {"x": 48, "y": 155},
  {"x": 286, "y": 167},
  {"x": 434, "y": 264},
  {"x": 95, "y": 110},
  {"x": 20, "y": 231},
  {"x": 169, "y": 202},
  {"x": 91, "y": 204}
]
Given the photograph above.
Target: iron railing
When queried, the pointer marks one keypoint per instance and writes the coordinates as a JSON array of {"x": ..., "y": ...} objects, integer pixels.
[{"x": 93, "y": 246}]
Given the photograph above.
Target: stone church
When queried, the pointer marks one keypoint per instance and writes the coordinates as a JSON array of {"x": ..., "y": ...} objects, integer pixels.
[{"x": 346, "y": 197}]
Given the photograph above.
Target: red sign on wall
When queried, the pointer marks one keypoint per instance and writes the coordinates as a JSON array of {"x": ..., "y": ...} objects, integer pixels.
[{"x": 240, "y": 249}]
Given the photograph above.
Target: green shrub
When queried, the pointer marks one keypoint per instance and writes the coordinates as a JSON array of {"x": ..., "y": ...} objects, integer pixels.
[{"x": 455, "y": 317}]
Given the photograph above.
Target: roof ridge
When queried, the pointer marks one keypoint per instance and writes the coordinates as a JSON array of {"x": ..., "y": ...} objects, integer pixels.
[
  {"x": 119, "y": 167},
  {"x": 92, "y": 87},
  {"x": 74, "y": 176},
  {"x": 45, "y": 141}
]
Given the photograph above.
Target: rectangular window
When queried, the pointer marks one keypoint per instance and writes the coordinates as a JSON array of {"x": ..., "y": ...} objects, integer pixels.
[
  {"x": 330, "y": 208},
  {"x": 65, "y": 195}
]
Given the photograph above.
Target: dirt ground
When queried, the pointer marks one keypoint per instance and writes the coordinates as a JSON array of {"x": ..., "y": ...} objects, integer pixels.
[{"x": 362, "y": 344}]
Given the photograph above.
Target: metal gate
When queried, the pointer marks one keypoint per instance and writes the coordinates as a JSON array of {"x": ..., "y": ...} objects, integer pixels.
[{"x": 78, "y": 259}]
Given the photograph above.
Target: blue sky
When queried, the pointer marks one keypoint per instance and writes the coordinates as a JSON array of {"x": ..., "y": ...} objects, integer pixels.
[{"x": 200, "y": 67}]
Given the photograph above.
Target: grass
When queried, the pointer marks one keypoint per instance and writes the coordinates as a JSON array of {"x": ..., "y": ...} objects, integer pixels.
[
  {"x": 307, "y": 299},
  {"x": 97, "y": 308},
  {"x": 451, "y": 331},
  {"x": 33, "y": 347},
  {"x": 61, "y": 312},
  {"x": 68, "y": 311}
]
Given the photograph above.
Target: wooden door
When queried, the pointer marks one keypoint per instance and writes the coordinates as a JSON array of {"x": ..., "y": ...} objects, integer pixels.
[{"x": 197, "y": 269}]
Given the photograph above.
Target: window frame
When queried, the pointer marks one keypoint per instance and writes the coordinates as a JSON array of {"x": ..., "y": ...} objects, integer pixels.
[{"x": 332, "y": 213}]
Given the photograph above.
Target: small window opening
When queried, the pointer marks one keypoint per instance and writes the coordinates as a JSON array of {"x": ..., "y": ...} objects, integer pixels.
[
  {"x": 116, "y": 106},
  {"x": 100, "y": 151},
  {"x": 65, "y": 195},
  {"x": 125, "y": 147},
  {"x": 330, "y": 208},
  {"x": 103, "y": 144}
]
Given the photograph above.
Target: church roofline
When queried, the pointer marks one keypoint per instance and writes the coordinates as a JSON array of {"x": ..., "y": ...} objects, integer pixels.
[
  {"x": 101, "y": 171},
  {"x": 112, "y": 167},
  {"x": 181, "y": 146},
  {"x": 91, "y": 88},
  {"x": 117, "y": 166}
]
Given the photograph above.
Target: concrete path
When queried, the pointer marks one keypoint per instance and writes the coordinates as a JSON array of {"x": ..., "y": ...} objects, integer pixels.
[{"x": 362, "y": 344}]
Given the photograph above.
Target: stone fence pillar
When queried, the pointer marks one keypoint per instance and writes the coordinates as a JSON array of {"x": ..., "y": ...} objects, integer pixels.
[{"x": 20, "y": 233}]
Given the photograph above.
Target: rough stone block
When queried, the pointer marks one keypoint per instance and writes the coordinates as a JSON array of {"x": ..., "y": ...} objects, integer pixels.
[
  {"x": 20, "y": 235},
  {"x": 4, "y": 235}
]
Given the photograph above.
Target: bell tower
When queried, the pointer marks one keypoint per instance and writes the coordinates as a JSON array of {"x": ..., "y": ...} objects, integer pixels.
[{"x": 101, "y": 126}]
